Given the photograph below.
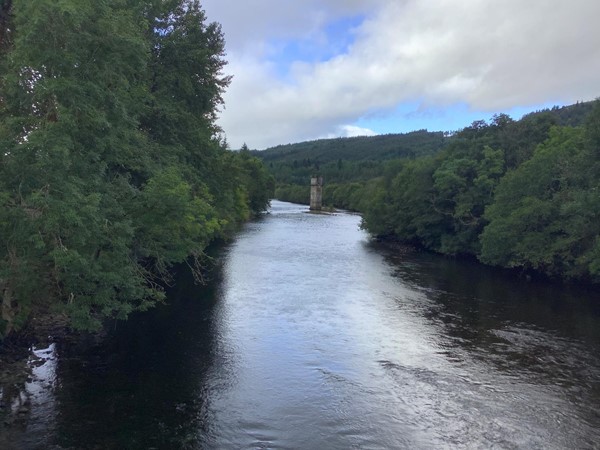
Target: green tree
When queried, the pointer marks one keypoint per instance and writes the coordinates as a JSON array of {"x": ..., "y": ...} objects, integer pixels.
[
  {"x": 111, "y": 168},
  {"x": 69, "y": 138},
  {"x": 545, "y": 213},
  {"x": 463, "y": 186}
]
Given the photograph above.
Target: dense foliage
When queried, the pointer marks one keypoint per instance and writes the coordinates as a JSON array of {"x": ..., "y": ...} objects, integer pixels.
[
  {"x": 519, "y": 194},
  {"x": 359, "y": 148},
  {"x": 111, "y": 168},
  {"x": 345, "y": 160},
  {"x": 346, "y": 163},
  {"x": 513, "y": 194}
]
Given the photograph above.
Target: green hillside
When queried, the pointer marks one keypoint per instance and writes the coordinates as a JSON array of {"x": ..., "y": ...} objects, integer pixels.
[
  {"x": 396, "y": 146},
  {"x": 363, "y": 158},
  {"x": 360, "y": 148}
]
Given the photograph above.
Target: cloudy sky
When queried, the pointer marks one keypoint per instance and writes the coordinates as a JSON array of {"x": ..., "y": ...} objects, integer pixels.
[{"x": 307, "y": 69}]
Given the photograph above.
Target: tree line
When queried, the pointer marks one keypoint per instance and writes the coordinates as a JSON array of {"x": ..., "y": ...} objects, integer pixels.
[
  {"x": 358, "y": 148},
  {"x": 112, "y": 167},
  {"x": 516, "y": 194},
  {"x": 343, "y": 162}
]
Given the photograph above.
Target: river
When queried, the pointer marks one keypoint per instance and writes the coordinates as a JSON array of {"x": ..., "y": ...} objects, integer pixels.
[{"x": 310, "y": 336}]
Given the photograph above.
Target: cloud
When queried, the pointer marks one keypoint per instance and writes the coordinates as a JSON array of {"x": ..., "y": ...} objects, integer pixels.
[
  {"x": 352, "y": 130},
  {"x": 489, "y": 55},
  {"x": 248, "y": 24},
  {"x": 349, "y": 131}
]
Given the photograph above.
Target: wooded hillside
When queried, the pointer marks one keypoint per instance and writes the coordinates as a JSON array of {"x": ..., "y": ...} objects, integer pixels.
[{"x": 360, "y": 148}]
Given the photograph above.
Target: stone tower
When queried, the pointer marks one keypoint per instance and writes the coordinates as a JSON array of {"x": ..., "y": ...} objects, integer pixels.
[{"x": 316, "y": 193}]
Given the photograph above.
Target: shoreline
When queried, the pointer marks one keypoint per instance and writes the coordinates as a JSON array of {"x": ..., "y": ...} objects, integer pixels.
[
  {"x": 522, "y": 274},
  {"x": 20, "y": 356}
]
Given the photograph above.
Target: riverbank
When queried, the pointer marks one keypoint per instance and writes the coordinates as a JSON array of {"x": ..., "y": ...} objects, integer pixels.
[
  {"x": 392, "y": 243},
  {"x": 521, "y": 273},
  {"x": 20, "y": 355}
]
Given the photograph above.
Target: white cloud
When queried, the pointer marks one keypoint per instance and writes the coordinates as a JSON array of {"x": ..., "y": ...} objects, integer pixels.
[
  {"x": 490, "y": 55},
  {"x": 349, "y": 131},
  {"x": 352, "y": 130}
]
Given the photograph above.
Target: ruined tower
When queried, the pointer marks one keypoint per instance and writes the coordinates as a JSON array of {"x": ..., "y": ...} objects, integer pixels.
[{"x": 316, "y": 193}]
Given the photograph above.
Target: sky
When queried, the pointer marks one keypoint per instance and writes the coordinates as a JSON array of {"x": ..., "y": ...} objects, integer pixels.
[{"x": 311, "y": 69}]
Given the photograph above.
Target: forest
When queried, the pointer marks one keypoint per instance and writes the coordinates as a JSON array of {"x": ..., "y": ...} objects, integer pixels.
[
  {"x": 112, "y": 168},
  {"x": 519, "y": 194}
]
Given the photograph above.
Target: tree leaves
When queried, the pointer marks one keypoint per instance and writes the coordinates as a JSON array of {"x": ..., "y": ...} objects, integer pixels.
[
  {"x": 111, "y": 170},
  {"x": 519, "y": 194}
]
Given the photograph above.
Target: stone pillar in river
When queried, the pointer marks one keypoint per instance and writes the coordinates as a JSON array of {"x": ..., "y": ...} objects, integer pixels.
[{"x": 316, "y": 193}]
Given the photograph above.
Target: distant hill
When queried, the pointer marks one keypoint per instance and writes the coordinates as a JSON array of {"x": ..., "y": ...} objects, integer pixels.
[
  {"x": 361, "y": 148},
  {"x": 393, "y": 146},
  {"x": 572, "y": 115},
  {"x": 424, "y": 171}
]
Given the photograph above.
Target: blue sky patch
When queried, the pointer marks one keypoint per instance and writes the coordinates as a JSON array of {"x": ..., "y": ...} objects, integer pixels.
[
  {"x": 410, "y": 116},
  {"x": 322, "y": 45}
]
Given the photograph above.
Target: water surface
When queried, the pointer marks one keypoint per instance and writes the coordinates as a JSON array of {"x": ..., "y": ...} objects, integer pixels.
[{"x": 312, "y": 337}]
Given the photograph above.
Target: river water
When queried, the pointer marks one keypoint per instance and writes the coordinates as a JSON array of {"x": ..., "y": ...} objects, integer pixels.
[{"x": 309, "y": 336}]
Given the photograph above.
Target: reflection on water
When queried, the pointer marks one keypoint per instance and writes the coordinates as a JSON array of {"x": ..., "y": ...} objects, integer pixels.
[{"x": 310, "y": 336}]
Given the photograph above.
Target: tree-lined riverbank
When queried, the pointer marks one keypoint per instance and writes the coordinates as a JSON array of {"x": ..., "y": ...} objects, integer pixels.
[
  {"x": 112, "y": 168},
  {"x": 515, "y": 194}
]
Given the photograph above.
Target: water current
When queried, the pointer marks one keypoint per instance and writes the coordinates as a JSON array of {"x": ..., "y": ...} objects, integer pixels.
[{"x": 311, "y": 336}]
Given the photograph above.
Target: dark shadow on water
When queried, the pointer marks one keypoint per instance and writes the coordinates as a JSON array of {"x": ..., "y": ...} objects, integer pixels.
[{"x": 145, "y": 386}]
